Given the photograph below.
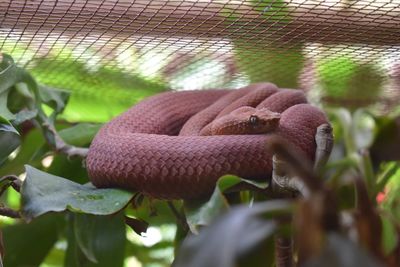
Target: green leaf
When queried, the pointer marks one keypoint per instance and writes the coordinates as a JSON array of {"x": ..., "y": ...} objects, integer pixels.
[
  {"x": 202, "y": 212},
  {"x": 389, "y": 169},
  {"x": 95, "y": 240},
  {"x": 391, "y": 203},
  {"x": 55, "y": 98},
  {"x": 363, "y": 128},
  {"x": 6, "y": 126},
  {"x": 4, "y": 111},
  {"x": 390, "y": 237},
  {"x": 9, "y": 139},
  {"x": 229, "y": 239},
  {"x": 340, "y": 251},
  {"x": 30, "y": 152},
  {"x": 91, "y": 231},
  {"x": 80, "y": 134},
  {"x": 28, "y": 244},
  {"x": 9, "y": 74},
  {"x": 345, "y": 120},
  {"x": 24, "y": 115},
  {"x": 42, "y": 192}
]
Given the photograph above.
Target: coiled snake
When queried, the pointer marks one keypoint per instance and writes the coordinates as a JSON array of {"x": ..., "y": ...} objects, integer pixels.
[{"x": 156, "y": 148}]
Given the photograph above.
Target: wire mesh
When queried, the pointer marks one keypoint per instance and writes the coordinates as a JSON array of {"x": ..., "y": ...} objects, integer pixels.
[{"x": 346, "y": 52}]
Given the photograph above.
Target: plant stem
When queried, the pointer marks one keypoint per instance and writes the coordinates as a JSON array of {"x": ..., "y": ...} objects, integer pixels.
[
  {"x": 283, "y": 251},
  {"x": 55, "y": 140},
  {"x": 179, "y": 217},
  {"x": 9, "y": 213},
  {"x": 14, "y": 181}
]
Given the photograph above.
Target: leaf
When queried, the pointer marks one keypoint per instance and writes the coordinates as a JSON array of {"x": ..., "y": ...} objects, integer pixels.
[
  {"x": 391, "y": 203},
  {"x": 345, "y": 120},
  {"x": 386, "y": 145},
  {"x": 42, "y": 192},
  {"x": 55, "y": 98},
  {"x": 9, "y": 139},
  {"x": 24, "y": 115},
  {"x": 231, "y": 237},
  {"x": 4, "y": 111},
  {"x": 29, "y": 153},
  {"x": 28, "y": 244},
  {"x": 363, "y": 127},
  {"x": 202, "y": 212},
  {"x": 80, "y": 134},
  {"x": 390, "y": 236},
  {"x": 6, "y": 126},
  {"x": 339, "y": 251},
  {"x": 388, "y": 171},
  {"x": 8, "y": 73},
  {"x": 9, "y": 76},
  {"x": 96, "y": 240}
]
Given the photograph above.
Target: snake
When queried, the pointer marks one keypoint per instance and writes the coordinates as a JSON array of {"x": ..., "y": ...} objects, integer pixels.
[{"x": 170, "y": 146}]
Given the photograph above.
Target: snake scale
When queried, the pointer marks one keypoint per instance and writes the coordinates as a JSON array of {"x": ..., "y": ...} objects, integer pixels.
[{"x": 155, "y": 146}]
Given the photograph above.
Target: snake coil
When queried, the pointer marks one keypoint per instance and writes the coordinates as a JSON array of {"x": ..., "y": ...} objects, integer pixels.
[{"x": 155, "y": 146}]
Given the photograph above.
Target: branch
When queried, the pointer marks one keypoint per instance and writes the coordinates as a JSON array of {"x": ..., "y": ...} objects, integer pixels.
[
  {"x": 59, "y": 144},
  {"x": 283, "y": 251},
  {"x": 9, "y": 213},
  {"x": 180, "y": 219},
  {"x": 14, "y": 181}
]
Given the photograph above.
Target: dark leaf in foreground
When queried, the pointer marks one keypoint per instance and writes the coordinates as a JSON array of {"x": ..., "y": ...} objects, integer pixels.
[
  {"x": 229, "y": 239},
  {"x": 42, "y": 192},
  {"x": 96, "y": 240},
  {"x": 342, "y": 252},
  {"x": 137, "y": 225}
]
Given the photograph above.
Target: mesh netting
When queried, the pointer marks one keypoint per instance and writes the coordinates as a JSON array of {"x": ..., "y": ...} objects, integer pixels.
[{"x": 344, "y": 52}]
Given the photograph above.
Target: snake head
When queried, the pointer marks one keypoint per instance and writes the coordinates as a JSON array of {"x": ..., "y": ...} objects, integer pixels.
[{"x": 246, "y": 120}]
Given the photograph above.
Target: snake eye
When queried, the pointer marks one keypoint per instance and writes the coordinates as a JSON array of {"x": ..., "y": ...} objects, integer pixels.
[{"x": 253, "y": 120}]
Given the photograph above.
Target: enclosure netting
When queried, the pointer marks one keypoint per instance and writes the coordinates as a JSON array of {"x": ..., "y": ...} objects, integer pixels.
[{"x": 345, "y": 52}]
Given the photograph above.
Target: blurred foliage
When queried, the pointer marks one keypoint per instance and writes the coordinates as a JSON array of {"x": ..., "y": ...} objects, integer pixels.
[
  {"x": 94, "y": 89},
  {"x": 279, "y": 64},
  {"x": 351, "y": 218},
  {"x": 342, "y": 78}
]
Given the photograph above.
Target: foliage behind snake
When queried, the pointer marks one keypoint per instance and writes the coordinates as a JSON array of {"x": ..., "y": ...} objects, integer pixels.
[{"x": 155, "y": 146}]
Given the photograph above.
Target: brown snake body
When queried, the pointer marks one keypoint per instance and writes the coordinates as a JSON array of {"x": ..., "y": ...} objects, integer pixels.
[{"x": 141, "y": 149}]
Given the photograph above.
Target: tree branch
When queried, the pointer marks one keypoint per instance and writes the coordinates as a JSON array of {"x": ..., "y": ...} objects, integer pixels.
[
  {"x": 59, "y": 144},
  {"x": 14, "y": 181},
  {"x": 9, "y": 213},
  {"x": 180, "y": 219}
]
